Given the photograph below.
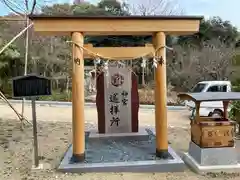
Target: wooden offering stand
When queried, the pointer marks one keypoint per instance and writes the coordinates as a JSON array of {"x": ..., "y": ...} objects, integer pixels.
[{"x": 210, "y": 132}]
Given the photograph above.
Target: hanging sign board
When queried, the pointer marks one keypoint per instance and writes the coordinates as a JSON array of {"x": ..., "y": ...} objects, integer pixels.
[
  {"x": 31, "y": 86},
  {"x": 117, "y": 87}
]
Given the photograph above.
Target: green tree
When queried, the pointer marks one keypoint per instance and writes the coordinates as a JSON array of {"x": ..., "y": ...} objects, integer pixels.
[
  {"x": 214, "y": 28},
  {"x": 9, "y": 60},
  {"x": 114, "y": 7},
  {"x": 58, "y": 9}
]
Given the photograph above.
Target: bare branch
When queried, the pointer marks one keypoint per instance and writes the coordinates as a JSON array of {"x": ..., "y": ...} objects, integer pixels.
[
  {"x": 26, "y": 5},
  {"x": 156, "y": 7},
  {"x": 33, "y": 6},
  {"x": 17, "y": 36},
  {"x": 213, "y": 61},
  {"x": 11, "y": 6}
]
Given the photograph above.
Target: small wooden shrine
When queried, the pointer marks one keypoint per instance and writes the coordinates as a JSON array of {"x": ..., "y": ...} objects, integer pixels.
[{"x": 212, "y": 132}]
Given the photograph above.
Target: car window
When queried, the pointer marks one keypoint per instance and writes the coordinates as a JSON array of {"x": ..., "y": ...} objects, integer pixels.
[
  {"x": 213, "y": 89},
  {"x": 198, "y": 88},
  {"x": 217, "y": 88},
  {"x": 223, "y": 88}
]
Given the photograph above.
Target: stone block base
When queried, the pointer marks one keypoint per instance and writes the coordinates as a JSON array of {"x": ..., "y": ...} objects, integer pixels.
[{"x": 211, "y": 159}]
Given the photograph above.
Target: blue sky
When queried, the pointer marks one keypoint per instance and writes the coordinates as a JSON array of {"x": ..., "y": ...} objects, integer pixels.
[{"x": 226, "y": 9}]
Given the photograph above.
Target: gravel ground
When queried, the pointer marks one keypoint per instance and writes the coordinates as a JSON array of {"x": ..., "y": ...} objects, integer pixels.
[
  {"x": 54, "y": 127},
  {"x": 54, "y": 138}
]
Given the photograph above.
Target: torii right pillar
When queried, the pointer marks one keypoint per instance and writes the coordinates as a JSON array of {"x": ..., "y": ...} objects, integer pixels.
[{"x": 159, "y": 41}]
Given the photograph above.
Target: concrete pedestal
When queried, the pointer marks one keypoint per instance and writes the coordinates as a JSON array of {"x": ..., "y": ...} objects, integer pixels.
[{"x": 211, "y": 159}]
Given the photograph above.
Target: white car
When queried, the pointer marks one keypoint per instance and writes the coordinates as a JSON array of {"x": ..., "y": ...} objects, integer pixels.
[{"x": 211, "y": 108}]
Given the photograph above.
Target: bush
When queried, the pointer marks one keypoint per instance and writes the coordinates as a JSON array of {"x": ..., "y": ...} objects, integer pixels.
[
  {"x": 234, "y": 113},
  {"x": 146, "y": 96},
  {"x": 57, "y": 96}
]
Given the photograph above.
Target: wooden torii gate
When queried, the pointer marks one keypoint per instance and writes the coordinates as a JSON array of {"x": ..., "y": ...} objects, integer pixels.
[{"x": 78, "y": 26}]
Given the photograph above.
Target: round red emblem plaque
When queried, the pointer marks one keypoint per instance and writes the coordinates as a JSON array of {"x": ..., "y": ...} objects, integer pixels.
[{"x": 117, "y": 80}]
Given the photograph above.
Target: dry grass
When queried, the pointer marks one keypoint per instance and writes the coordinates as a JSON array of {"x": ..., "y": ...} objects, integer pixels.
[{"x": 146, "y": 96}]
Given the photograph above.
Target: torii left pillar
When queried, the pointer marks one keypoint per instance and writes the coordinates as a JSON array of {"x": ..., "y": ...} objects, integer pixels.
[
  {"x": 161, "y": 96},
  {"x": 78, "y": 98}
]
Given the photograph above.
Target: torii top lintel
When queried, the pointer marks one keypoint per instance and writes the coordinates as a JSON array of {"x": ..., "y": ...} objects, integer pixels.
[{"x": 116, "y": 25}]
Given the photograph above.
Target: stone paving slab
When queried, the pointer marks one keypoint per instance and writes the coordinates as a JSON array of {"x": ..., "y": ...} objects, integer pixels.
[{"x": 203, "y": 160}]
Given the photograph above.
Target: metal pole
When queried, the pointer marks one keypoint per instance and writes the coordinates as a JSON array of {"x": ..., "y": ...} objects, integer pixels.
[{"x": 35, "y": 140}]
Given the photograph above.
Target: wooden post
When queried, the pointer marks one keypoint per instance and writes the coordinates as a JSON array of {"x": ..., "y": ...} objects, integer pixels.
[
  {"x": 78, "y": 98},
  {"x": 225, "y": 109},
  {"x": 35, "y": 139},
  {"x": 197, "y": 115},
  {"x": 161, "y": 97}
]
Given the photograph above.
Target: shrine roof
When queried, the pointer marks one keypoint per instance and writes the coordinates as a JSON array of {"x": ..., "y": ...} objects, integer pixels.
[
  {"x": 35, "y": 17},
  {"x": 210, "y": 96},
  {"x": 30, "y": 76}
]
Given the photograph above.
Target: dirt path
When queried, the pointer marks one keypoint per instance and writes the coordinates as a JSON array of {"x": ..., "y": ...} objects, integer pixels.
[{"x": 64, "y": 114}]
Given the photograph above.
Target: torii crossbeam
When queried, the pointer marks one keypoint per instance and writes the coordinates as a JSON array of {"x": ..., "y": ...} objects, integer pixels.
[{"x": 119, "y": 53}]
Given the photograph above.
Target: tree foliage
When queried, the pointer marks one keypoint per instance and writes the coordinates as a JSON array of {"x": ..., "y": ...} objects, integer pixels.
[
  {"x": 213, "y": 61},
  {"x": 9, "y": 61},
  {"x": 214, "y": 28},
  {"x": 211, "y": 54}
]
